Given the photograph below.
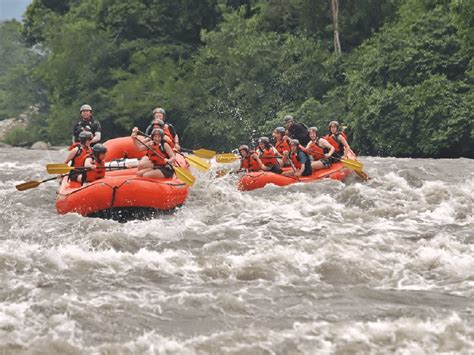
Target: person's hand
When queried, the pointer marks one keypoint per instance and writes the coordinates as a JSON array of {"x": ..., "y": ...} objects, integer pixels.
[
  {"x": 134, "y": 131},
  {"x": 298, "y": 173},
  {"x": 177, "y": 147},
  {"x": 93, "y": 166},
  {"x": 327, "y": 155}
]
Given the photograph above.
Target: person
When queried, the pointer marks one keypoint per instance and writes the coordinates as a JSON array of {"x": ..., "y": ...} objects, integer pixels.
[
  {"x": 320, "y": 150},
  {"x": 157, "y": 163},
  {"x": 81, "y": 151},
  {"x": 338, "y": 140},
  {"x": 94, "y": 165},
  {"x": 268, "y": 155},
  {"x": 301, "y": 163},
  {"x": 86, "y": 123},
  {"x": 296, "y": 130},
  {"x": 249, "y": 161},
  {"x": 160, "y": 114},
  {"x": 282, "y": 145}
]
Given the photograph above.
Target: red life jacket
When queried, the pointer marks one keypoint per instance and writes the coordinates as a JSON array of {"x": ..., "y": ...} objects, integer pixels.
[
  {"x": 73, "y": 145},
  {"x": 315, "y": 150},
  {"x": 83, "y": 151},
  {"x": 250, "y": 164},
  {"x": 98, "y": 172},
  {"x": 267, "y": 153},
  {"x": 282, "y": 145},
  {"x": 334, "y": 141},
  {"x": 158, "y": 158}
]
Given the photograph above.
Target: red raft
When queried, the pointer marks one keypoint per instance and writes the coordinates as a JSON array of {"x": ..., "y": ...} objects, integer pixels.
[
  {"x": 121, "y": 194},
  {"x": 256, "y": 180}
]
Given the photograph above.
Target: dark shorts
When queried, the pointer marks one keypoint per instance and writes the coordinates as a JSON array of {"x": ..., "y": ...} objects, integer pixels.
[
  {"x": 307, "y": 170},
  {"x": 275, "y": 169},
  {"x": 326, "y": 162},
  {"x": 166, "y": 170}
]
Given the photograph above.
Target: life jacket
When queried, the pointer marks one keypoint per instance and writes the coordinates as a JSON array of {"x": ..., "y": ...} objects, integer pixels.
[
  {"x": 98, "y": 172},
  {"x": 334, "y": 141},
  {"x": 167, "y": 132},
  {"x": 264, "y": 154},
  {"x": 250, "y": 164},
  {"x": 294, "y": 157},
  {"x": 158, "y": 158},
  {"x": 282, "y": 145},
  {"x": 81, "y": 155},
  {"x": 73, "y": 145},
  {"x": 315, "y": 150}
]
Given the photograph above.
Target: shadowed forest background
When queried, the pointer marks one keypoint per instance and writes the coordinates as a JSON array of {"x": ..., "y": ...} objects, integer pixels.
[{"x": 227, "y": 71}]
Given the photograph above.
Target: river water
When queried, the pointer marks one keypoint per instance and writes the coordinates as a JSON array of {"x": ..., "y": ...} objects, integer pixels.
[{"x": 384, "y": 266}]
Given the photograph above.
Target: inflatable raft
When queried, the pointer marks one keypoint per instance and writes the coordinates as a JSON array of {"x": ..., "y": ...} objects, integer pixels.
[
  {"x": 121, "y": 194},
  {"x": 259, "y": 179}
]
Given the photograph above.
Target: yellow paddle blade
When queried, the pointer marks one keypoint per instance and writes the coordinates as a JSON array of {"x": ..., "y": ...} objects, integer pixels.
[
  {"x": 352, "y": 164},
  {"x": 226, "y": 158},
  {"x": 58, "y": 168},
  {"x": 184, "y": 175},
  {"x": 204, "y": 153},
  {"x": 198, "y": 162},
  {"x": 28, "y": 185}
]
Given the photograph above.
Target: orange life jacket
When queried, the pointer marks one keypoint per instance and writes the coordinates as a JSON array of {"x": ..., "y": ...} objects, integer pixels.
[
  {"x": 315, "y": 150},
  {"x": 83, "y": 151},
  {"x": 282, "y": 145},
  {"x": 250, "y": 164},
  {"x": 334, "y": 141},
  {"x": 267, "y": 153},
  {"x": 98, "y": 172},
  {"x": 167, "y": 132},
  {"x": 158, "y": 158}
]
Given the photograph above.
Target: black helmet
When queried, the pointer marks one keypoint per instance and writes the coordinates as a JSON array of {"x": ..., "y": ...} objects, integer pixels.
[
  {"x": 84, "y": 136},
  {"x": 99, "y": 149},
  {"x": 295, "y": 142},
  {"x": 244, "y": 147},
  {"x": 313, "y": 129},
  {"x": 157, "y": 131},
  {"x": 281, "y": 130},
  {"x": 288, "y": 118},
  {"x": 335, "y": 123}
]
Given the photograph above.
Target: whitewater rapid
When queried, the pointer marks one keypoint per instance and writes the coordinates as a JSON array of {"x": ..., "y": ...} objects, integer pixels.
[{"x": 382, "y": 266}]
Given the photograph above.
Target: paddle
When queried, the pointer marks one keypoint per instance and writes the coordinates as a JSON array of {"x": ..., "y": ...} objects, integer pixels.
[
  {"x": 226, "y": 158},
  {"x": 197, "y": 162},
  {"x": 355, "y": 165},
  {"x": 59, "y": 168},
  {"x": 194, "y": 160},
  {"x": 201, "y": 153},
  {"x": 182, "y": 174},
  {"x": 34, "y": 183}
]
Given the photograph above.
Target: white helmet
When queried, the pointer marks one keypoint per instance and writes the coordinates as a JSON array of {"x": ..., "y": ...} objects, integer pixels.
[{"x": 85, "y": 108}]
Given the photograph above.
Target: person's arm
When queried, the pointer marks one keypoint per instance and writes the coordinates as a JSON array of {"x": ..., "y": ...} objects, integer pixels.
[
  {"x": 71, "y": 155},
  {"x": 347, "y": 148},
  {"x": 257, "y": 159},
  {"x": 88, "y": 164},
  {"x": 135, "y": 138},
  {"x": 327, "y": 145},
  {"x": 97, "y": 135},
  {"x": 170, "y": 153}
]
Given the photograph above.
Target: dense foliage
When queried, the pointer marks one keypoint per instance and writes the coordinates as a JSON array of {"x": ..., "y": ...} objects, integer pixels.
[{"x": 229, "y": 70}]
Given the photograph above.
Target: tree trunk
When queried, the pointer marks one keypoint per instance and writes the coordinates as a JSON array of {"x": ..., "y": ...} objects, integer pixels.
[{"x": 335, "y": 14}]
